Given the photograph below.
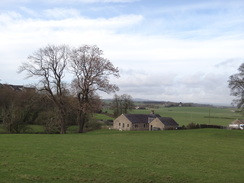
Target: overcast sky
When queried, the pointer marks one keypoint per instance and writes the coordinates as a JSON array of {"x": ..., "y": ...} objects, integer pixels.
[{"x": 179, "y": 50}]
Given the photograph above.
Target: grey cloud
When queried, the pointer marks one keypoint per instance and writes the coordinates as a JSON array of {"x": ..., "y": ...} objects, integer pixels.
[
  {"x": 139, "y": 78},
  {"x": 209, "y": 82},
  {"x": 198, "y": 87}
]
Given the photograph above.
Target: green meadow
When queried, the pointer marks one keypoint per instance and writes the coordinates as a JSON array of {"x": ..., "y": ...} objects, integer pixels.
[
  {"x": 198, "y": 115},
  {"x": 202, "y": 155}
]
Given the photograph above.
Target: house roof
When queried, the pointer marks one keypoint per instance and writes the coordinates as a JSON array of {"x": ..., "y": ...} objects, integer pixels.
[
  {"x": 141, "y": 118},
  {"x": 147, "y": 118},
  {"x": 16, "y": 87},
  {"x": 167, "y": 121}
]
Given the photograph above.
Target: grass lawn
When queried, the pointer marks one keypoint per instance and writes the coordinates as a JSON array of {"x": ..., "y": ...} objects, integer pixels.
[{"x": 203, "y": 155}]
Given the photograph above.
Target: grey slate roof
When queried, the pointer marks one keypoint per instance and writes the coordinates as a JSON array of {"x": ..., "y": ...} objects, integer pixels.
[
  {"x": 146, "y": 118},
  {"x": 167, "y": 121},
  {"x": 141, "y": 118},
  {"x": 16, "y": 87}
]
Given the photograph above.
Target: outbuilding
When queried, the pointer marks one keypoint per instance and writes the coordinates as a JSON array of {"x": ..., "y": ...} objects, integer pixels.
[
  {"x": 163, "y": 123},
  {"x": 237, "y": 124}
]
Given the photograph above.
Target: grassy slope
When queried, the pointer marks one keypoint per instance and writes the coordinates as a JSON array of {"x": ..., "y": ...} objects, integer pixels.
[{"x": 206, "y": 155}]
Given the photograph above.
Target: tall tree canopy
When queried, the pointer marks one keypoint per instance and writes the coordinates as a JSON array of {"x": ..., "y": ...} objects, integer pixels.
[
  {"x": 236, "y": 84},
  {"x": 48, "y": 64},
  {"x": 91, "y": 74},
  {"x": 90, "y": 70}
]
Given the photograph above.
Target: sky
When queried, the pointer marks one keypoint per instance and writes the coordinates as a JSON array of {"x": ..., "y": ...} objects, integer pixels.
[{"x": 179, "y": 50}]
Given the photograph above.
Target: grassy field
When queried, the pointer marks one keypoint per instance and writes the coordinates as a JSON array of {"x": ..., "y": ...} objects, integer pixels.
[
  {"x": 186, "y": 115},
  {"x": 200, "y": 115},
  {"x": 203, "y": 155}
]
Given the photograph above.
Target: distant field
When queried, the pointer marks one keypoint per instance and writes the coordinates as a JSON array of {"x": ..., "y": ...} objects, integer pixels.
[
  {"x": 182, "y": 115},
  {"x": 201, "y": 115},
  {"x": 186, "y": 115},
  {"x": 185, "y": 156}
]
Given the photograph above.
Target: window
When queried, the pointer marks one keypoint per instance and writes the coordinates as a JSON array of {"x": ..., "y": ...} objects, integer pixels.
[
  {"x": 128, "y": 125},
  {"x": 136, "y": 126},
  {"x": 123, "y": 125},
  {"x": 119, "y": 124}
]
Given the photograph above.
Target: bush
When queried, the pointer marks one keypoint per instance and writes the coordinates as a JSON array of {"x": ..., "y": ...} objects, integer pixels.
[
  {"x": 49, "y": 121},
  {"x": 192, "y": 126},
  {"x": 93, "y": 124},
  {"x": 14, "y": 120},
  {"x": 183, "y": 127}
]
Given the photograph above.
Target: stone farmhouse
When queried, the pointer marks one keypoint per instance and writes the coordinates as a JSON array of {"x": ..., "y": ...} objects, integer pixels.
[{"x": 144, "y": 122}]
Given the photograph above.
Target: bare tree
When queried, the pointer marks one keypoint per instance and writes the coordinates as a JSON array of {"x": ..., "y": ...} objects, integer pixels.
[
  {"x": 128, "y": 103},
  {"x": 236, "y": 84},
  {"x": 116, "y": 105},
  {"x": 92, "y": 73},
  {"x": 122, "y": 104},
  {"x": 48, "y": 65}
]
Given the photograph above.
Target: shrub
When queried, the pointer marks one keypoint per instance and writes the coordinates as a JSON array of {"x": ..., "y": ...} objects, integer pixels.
[
  {"x": 183, "y": 127},
  {"x": 14, "y": 120},
  {"x": 192, "y": 126},
  {"x": 93, "y": 124},
  {"x": 49, "y": 122}
]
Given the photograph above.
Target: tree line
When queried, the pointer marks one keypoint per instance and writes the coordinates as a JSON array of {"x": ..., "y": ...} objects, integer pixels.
[
  {"x": 22, "y": 106},
  {"x": 66, "y": 79}
]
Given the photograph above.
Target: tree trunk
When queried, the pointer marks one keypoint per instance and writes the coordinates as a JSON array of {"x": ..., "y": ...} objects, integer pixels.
[
  {"x": 62, "y": 127},
  {"x": 62, "y": 122},
  {"x": 81, "y": 121}
]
